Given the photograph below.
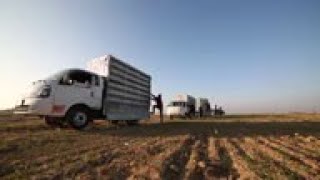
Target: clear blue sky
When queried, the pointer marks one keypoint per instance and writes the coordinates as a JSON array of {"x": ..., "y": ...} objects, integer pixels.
[{"x": 249, "y": 56}]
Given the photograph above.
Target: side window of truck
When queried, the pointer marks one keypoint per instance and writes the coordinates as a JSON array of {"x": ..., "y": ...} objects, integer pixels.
[
  {"x": 95, "y": 80},
  {"x": 81, "y": 78}
]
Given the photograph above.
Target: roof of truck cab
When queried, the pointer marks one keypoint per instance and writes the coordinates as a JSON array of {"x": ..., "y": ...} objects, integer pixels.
[{"x": 82, "y": 70}]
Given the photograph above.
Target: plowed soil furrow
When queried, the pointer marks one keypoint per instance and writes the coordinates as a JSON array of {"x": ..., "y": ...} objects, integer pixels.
[
  {"x": 311, "y": 149},
  {"x": 144, "y": 156},
  {"x": 287, "y": 166},
  {"x": 291, "y": 154},
  {"x": 308, "y": 148},
  {"x": 255, "y": 163},
  {"x": 213, "y": 159},
  {"x": 61, "y": 165},
  {"x": 76, "y": 161},
  {"x": 71, "y": 170},
  {"x": 217, "y": 148},
  {"x": 212, "y": 151},
  {"x": 219, "y": 163},
  {"x": 309, "y": 139},
  {"x": 190, "y": 169},
  {"x": 96, "y": 146},
  {"x": 173, "y": 167},
  {"x": 58, "y": 151},
  {"x": 89, "y": 157},
  {"x": 136, "y": 151},
  {"x": 21, "y": 128},
  {"x": 287, "y": 155},
  {"x": 239, "y": 163},
  {"x": 151, "y": 166},
  {"x": 265, "y": 167},
  {"x": 295, "y": 149},
  {"x": 71, "y": 156},
  {"x": 121, "y": 167}
]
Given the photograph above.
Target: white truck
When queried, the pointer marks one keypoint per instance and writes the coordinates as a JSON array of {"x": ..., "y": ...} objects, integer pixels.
[
  {"x": 203, "y": 107},
  {"x": 110, "y": 89},
  {"x": 182, "y": 105}
]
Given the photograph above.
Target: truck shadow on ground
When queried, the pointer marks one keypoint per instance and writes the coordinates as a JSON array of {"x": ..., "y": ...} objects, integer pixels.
[{"x": 219, "y": 129}]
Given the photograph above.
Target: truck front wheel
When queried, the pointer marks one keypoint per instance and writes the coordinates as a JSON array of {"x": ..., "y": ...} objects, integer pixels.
[{"x": 78, "y": 117}]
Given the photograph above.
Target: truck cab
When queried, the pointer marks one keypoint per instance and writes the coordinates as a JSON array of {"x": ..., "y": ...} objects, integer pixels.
[
  {"x": 176, "y": 108},
  {"x": 63, "y": 93},
  {"x": 182, "y": 105}
]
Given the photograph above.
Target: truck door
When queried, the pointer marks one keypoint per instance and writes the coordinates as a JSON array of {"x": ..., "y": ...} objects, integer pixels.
[
  {"x": 96, "y": 91},
  {"x": 76, "y": 87}
]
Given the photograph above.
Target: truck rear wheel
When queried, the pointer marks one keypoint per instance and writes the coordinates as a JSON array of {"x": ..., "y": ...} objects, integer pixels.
[{"x": 78, "y": 117}]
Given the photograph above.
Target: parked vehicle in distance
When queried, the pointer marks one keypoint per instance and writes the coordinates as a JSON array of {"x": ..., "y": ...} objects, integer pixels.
[
  {"x": 203, "y": 107},
  {"x": 110, "y": 89},
  {"x": 218, "y": 111},
  {"x": 182, "y": 105}
]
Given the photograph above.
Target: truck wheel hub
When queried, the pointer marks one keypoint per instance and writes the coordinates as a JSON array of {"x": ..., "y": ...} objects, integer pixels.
[{"x": 80, "y": 118}]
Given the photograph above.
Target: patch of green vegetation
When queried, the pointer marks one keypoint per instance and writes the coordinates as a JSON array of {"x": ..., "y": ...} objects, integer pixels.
[
  {"x": 288, "y": 157},
  {"x": 226, "y": 161},
  {"x": 281, "y": 166},
  {"x": 257, "y": 167}
]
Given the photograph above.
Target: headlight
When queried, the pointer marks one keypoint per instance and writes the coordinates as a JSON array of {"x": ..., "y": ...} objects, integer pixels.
[{"x": 45, "y": 92}]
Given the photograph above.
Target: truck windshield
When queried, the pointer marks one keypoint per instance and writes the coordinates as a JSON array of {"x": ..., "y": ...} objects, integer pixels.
[{"x": 76, "y": 75}]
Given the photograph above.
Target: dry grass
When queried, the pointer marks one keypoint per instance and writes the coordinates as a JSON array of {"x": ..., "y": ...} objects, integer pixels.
[{"x": 245, "y": 147}]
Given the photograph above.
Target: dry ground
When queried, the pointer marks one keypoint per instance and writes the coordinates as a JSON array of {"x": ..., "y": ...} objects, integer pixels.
[{"x": 244, "y": 147}]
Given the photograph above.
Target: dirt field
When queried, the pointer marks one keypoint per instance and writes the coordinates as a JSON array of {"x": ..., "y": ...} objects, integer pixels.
[{"x": 245, "y": 147}]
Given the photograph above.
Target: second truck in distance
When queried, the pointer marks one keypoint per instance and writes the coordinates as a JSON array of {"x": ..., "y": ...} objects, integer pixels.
[{"x": 184, "y": 105}]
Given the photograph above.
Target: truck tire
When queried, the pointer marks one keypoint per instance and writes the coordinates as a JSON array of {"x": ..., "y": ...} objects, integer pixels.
[
  {"x": 78, "y": 117},
  {"x": 132, "y": 122}
]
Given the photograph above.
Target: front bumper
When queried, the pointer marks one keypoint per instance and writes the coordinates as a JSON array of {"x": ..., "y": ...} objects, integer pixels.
[
  {"x": 25, "y": 110},
  {"x": 175, "y": 113},
  {"x": 21, "y": 109},
  {"x": 34, "y": 106}
]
